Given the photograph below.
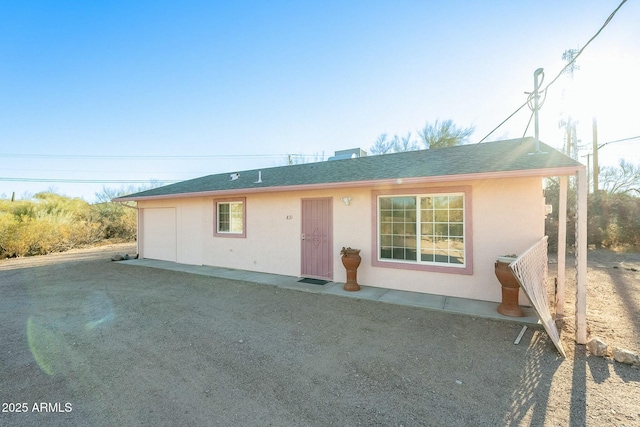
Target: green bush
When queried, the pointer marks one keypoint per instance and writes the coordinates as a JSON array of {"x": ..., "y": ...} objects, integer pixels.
[
  {"x": 55, "y": 223},
  {"x": 118, "y": 222},
  {"x": 613, "y": 220}
]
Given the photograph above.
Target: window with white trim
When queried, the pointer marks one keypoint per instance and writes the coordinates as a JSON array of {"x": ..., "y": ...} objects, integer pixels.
[
  {"x": 424, "y": 229},
  {"x": 230, "y": 218}
]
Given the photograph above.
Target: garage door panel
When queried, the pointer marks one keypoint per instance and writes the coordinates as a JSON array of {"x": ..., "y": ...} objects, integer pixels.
[{"x": 159, "y": 233}]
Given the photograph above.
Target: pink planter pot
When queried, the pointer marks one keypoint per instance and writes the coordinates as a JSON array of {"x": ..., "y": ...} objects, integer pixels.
[
  {"x": 510, "y": 290},
  {"x": 351, "y": 260}
]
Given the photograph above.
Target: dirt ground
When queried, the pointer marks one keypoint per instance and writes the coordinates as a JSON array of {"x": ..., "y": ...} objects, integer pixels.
[{"x": 85, "y": 341}]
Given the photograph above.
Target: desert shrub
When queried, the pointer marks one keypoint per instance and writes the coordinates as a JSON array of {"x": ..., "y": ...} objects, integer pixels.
[
  {"x": 613, "y": 220},
  {"x": 552, "y": 193},
  {"x": 9, "y": 226},
  {"x": 37, "y": 237},
  {"x": 620, "y": 215},
  {"x": 55, "y": 223},
  {"x": 117, "y": 222}
]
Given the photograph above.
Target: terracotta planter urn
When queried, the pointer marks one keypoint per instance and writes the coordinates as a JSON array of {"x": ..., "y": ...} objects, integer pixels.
[
  {"x": 351, "y": 260},
  {"x": 510, "y": 288}
]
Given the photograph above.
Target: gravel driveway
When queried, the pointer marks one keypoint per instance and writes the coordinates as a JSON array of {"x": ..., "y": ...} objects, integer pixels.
[{"x": 84, "y": 341}]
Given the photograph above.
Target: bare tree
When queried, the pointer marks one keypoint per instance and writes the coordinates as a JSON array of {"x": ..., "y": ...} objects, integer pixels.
[
  {"x": 382, "y": 145},
  {"x": 107, "y": 193},
  {"x": 395, "y": 145},
  {"x": 436, "y": 135},
  {"x": 622, "y": 179},
  {"x": 444, "y": 134}
]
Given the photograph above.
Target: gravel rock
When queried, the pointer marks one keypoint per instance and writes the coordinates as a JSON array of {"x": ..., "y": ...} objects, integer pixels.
[
  {"x": 597, "y": 347},
  {"x": 626, "y": 356},
  {"x": 118, "y": 344}
]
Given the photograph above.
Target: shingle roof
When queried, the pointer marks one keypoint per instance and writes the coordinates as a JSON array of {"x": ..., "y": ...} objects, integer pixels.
[{"x": 489, "y": 157}]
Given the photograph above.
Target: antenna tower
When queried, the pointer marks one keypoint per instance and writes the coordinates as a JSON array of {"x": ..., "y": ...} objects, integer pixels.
[{"x": 568, "y": 122}]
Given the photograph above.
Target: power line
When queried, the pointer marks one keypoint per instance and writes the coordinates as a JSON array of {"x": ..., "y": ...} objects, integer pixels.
[
  {"x": 569, "y": 64},
  {"x": 505, "y": 120},
  {"x": 88, "y": 181},
  {"x": 573, "y": 59},
  {"x": 94, "y": 171},
  {"x": 166, "y": 157},
  {"x": 618, "y": 140}
]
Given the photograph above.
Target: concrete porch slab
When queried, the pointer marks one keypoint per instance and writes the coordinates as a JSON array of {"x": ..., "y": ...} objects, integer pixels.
[
  {"x": 293, "y": 284},
  {"x": 365, "y": 292},
  {"x": 435, "y": 302},
  {"x": 485, "y": 309}
]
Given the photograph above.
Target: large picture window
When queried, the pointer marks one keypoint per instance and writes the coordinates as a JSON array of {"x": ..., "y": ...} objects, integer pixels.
[
  {"x": 230, "y": 218},
  {"x": 428, "y": 229}
]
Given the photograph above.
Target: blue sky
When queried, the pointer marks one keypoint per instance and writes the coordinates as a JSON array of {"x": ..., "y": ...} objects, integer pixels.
[{"x": 132, "y": 91}]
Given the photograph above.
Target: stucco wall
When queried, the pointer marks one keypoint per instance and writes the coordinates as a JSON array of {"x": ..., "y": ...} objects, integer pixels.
[
  {"x": 508, "y": 217},
  {"x": 272, "y": 242},
  {"x": 189, "y": 224}
]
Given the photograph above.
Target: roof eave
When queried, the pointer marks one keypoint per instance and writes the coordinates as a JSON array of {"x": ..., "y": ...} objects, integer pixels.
[{"x": 522, "y": 173}]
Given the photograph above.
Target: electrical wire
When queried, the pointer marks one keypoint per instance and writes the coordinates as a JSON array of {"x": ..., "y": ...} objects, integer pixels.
[
  {"x": 504, "y": 121},
  {"x": 606, "y": 22},
  {"x": 570, "y": 63},
  {"x": 533, "y": 113},
  {"x": 618, "y": 140},
  {"x": 140, "y": 172},
  {"x": 166, "y": 157},
  {"x": 88, "y": 181}
]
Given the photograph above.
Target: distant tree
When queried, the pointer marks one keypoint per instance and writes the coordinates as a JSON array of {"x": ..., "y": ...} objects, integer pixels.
[
  {"x": 436, "y": 135},
  {"x": 395, "y": 145},
  {"x": 107, "y": 194},
  {"x": 622, "y": 179},
  {"x": 444, "y": 134},
  {"x": 382, "y": 145}
]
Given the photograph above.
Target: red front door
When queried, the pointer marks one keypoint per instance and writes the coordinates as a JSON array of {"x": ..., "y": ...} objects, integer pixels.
[{"x": 317, "y": 238}]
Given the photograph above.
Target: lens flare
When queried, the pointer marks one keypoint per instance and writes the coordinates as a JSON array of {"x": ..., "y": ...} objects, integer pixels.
[{"x": 43, "y": 345}]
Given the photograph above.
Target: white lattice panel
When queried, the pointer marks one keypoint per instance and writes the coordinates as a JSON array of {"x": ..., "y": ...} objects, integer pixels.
[{"x": 530, "y": 268}]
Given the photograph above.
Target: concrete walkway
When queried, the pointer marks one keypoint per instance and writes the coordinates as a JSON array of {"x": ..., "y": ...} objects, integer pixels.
[{"x": 464, "y": 306}]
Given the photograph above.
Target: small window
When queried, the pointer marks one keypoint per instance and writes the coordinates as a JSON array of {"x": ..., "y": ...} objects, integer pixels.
[{"x": 230, "y": 218}]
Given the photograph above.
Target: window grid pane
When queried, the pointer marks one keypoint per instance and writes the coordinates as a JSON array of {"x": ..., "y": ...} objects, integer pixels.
[
  {"x": 398, "y": 228},
  {"x": 429, "y": 225},
  {"x": 230, "y": 217},
  {"x": 223, "y": 217},
  {"x": 236, "y": 217}
]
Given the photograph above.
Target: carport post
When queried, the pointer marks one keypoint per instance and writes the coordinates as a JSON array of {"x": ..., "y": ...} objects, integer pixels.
[
  {"x": 562, "y": 246},
  {"x": 581, "y": 256}
]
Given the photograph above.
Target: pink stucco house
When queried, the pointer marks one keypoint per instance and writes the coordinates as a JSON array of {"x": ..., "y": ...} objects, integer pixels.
[{"x": 431, "y": 221}]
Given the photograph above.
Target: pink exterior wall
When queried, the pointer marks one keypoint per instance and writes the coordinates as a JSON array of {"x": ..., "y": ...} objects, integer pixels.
[
  {"x": 188, "y": 224},
  {"x": 508, "y": 217}
]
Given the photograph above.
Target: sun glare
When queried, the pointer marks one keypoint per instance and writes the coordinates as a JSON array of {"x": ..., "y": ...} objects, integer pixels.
[{"x": 605, "y": 86}]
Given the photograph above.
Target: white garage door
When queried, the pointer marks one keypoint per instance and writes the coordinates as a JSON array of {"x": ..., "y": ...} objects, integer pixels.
[{"x": 159, "y": 233}]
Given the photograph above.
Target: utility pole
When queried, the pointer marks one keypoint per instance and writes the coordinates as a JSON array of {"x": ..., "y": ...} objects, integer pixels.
[
  {"x": 595, "y": 155},
  {"x": 569, "y": 137},
  {"x": 588, "y": 156},
  {"x": 570, "y": 124},
  {"x": 536, "y": 107}
]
